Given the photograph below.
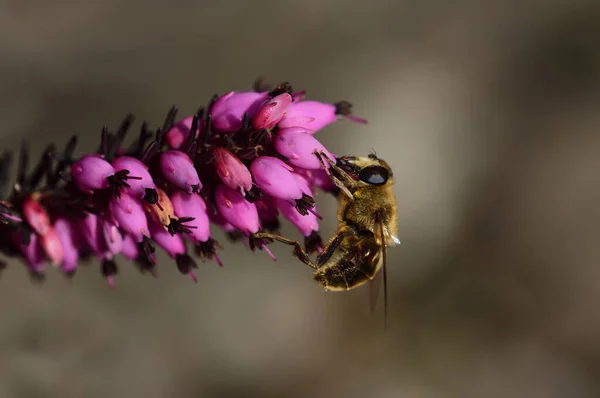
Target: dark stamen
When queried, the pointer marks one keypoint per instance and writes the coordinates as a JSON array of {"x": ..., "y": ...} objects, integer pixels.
[
  {"x": 313, "y": 243},
  {"x": 178, "y": 226},
  {"x": 304, "y": 204},
  {"x": 254, "y": 194},
  {"x": 151, "y": 196},
  {"x": 208, "y": 249},
  {"x": 185, "y": 265}
]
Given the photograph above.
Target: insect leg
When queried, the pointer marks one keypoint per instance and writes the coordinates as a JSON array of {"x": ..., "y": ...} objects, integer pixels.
[
  {"x": 338, "y": 182},
  {"x": 298, "y": 250}
]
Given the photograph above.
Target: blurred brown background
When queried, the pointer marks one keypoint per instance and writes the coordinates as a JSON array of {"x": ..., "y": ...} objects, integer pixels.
[{"x": 488, "y": 113}]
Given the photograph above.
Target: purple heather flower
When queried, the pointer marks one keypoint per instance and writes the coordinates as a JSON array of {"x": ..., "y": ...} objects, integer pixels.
[
  {"x": 33, "y": 254},
  {"x": 172, "y": 244},
  {"x": 306, "y": 224},
  {"x": 36, "y": 216},
  {"x": 112, "y": 236},
  {"x": 180, "y": 133},
  {"x": 232, "y": 171},
  {"x": 299, "y": 146},
  {"x": 314, "y": 115},
  {"x": 274, "y": 177},
  {"x": 229, "y": 110},
  {"x": 318, "y": 178},
  {"x": 130, "y": 247},
  {"x": 52, "y": 246},
  {"x": 66, "y": 233},
  {"x": 271, "y": 112},
  {"x": 178, "y": 169},
  {"x": 143, "y": 186},
  {"x": 129, "y": 214},
  {"x": 192, "y": 206},
  {"x": 91, "y": 228},
  {"x": 91, "y": 172},
  {"x": 236, "y": 210},
  {"x": 162, "y": 213},
  {"x": 253, "y": 161}
]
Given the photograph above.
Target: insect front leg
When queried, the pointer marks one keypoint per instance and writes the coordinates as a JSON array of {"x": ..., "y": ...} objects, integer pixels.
[
  {"x": 298, "y": 250},
  {"x": 343, "y": 182}
]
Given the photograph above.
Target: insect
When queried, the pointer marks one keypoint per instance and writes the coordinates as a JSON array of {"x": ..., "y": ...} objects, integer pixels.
[{"x": 367, "y": 224}]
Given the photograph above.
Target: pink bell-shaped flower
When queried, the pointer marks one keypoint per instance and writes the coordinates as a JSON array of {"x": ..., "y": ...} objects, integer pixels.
[
  {"x": 271, "y": 112},
  {"x": 178, "y": 169},
  {"x": 232, "y": 171},
  {"x": 299, "y": 147},
  {"x": 228, "y": 111}
]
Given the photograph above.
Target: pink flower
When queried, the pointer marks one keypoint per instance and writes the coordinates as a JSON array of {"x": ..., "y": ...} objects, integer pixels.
[
  {"x": 52, "y": 246},
  {"x": 314, "y": 115},
  {"x": 172, "y": 244},
  {"x": 36, "y": 216},
  {"x": 91, "y": 172},
  {"x": 275, "y": 178},
  {"x": 112, "y": 237},
  {"x": 130, "y": 248},
  {"x": 228, "y": 111},
  {"x": 232, "y": 171},
  {"x": 192, "y": 206},
  {"x": 66, "y": 233},
  {"x": 34, "y": 255},
  {"x": 271, "y": 112},
  {"x": 180, "y": 132},
  {"x": 178, "y": 169},
  {"x": 130, "y": 216},
  {"x": 143, "y": 186},
  {"x": 299, "y": 147},
  {"x": 91, "y": 228},
  {"x": 236, "y": 210},
  {"x": 305, "y": 224}
]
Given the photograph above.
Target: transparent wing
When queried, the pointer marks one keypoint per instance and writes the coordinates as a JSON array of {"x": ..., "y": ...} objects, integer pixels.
[{"x": 376, "y": 283}]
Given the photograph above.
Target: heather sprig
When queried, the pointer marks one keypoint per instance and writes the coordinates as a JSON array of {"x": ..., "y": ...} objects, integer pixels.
[{"x": 236, "y": 164}]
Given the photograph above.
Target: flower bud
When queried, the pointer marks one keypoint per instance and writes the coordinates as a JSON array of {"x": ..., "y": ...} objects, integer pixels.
[
  {"x": 33, "y": 254},
  {"x": 112, "y": 236},
  {"x": 91, "y": 172},
  {"x": 271, "y": 112},
  {"x": 129, "y": 214},
  {"x": 130, "y": 248},
  {"x": 228, "y": 111},
  {"x": 314, "y": 115},
  {"x": 236, "y": 210},
  {"x": 91, "y": 229},
  {"x": 36, "y": 216},
  {"x": 178, "y": 169},
  {"x": 137, "y": 187},
  {"x": 192, "y": 206},
  {"x": 306, "y": 224},
  {"x": 232, "y": 171},
  {"x": 274, "y": 177},
  {"x": 52, "y": 246},
  {"x": 180, "y": 132},
  {"x": 299, "y": 147},
  {"x": 66, "y": 233},
  {"x": 172, "y": 244},
  {"x": 161, "y": 212}
]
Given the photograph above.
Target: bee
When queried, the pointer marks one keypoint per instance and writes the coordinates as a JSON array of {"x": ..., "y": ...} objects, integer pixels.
[{"x": 367, "y": 225}]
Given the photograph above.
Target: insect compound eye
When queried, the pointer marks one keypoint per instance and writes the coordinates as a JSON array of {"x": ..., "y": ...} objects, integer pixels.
[{"x": 374, "y": 175}]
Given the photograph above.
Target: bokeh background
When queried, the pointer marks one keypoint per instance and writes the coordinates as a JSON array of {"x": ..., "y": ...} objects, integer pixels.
[{"x": 487, "y": 112}]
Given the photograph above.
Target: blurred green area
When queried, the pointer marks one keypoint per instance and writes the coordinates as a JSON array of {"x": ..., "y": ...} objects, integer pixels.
[{"x": 487, "y": 112}]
